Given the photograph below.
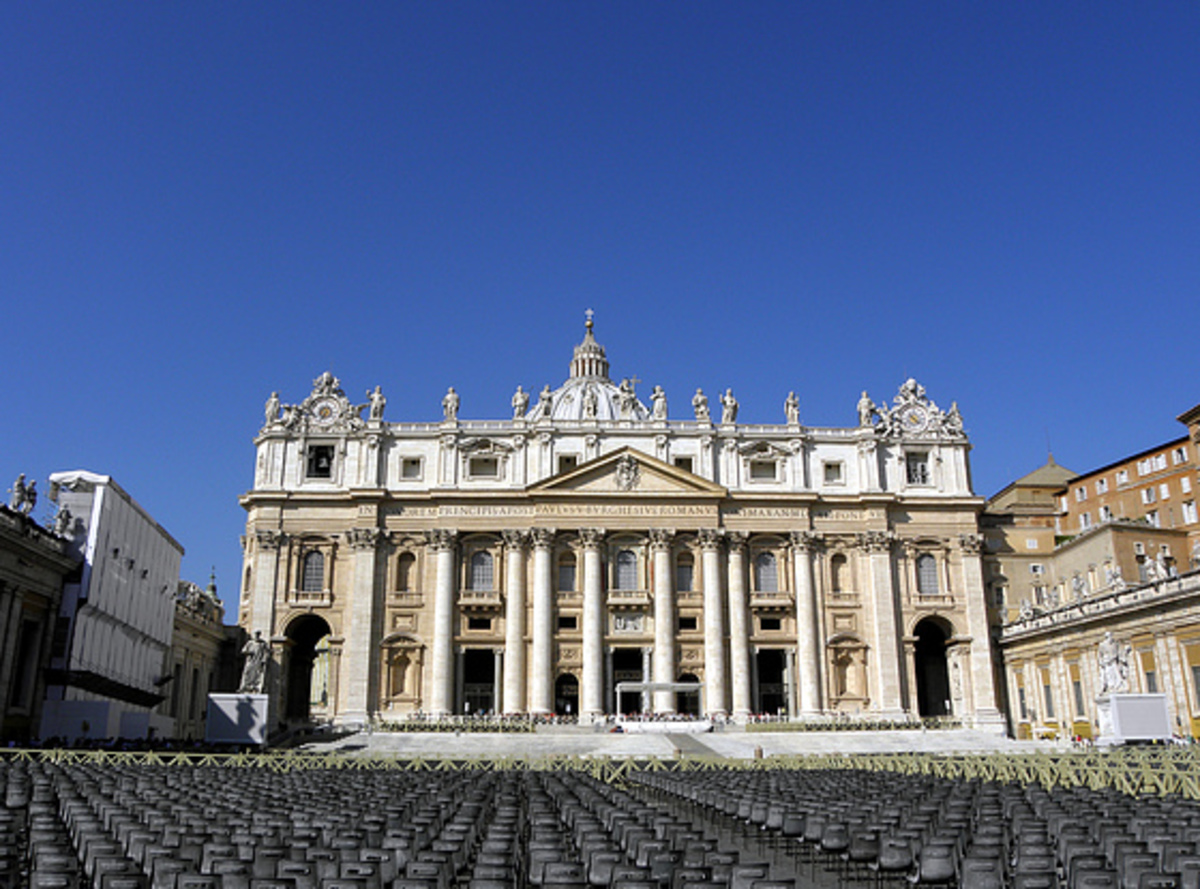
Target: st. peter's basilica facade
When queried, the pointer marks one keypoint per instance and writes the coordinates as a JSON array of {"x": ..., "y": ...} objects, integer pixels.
[{"x": 591, "y": 555}]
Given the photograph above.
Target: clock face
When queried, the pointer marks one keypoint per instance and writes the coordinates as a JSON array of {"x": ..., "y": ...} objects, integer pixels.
[
  {"x": 325, "y": 411},
  {"x": 914, "y": 418}
]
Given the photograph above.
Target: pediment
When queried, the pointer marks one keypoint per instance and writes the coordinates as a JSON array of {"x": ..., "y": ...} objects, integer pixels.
[{"x": 628, "y": 472}]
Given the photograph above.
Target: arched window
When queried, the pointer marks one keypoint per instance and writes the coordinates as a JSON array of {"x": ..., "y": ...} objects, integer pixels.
[
  {"x": 626, "y": 570},
  {"x": 566, "y": 572},
  {"x": 927, "y": 575},
  {"x": 839, "y": 572},
  {"x": 313, "y": 578},
  {"x": 405, "y": 566},
  {"x": 685, "y": 573},
  {"x": 481, "y": 572},
  {"x": 766, "y": 574}
]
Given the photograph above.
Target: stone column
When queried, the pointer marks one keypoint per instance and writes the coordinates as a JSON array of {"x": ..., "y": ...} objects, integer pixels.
[
  {"x": 513, "y": 698},
  {"x": 497, "y": 678},
  {"x": 714, "y": 624},
  {"x": 910, "y": 671},
  {"x": 646, "y": 652},
  {"x": 808, "y": 636},
  {"x": 441, "y": 691},
  {"x": 982, "y": 679},
  {"x": 664, "y": 618},
  {"x": 591, "y": 691},
  {"x": 266, "y": 570},
  {"x": 356, "y": 700},
  {"x": 888, "y": 679},
  {"x": 541, "y": 674},
  {"x": 739, "y": 631},
  {"x": 789, "y": 679}
]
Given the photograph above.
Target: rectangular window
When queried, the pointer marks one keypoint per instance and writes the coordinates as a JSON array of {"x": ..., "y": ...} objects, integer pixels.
[
  {"x": 567, "y": 462},
  {"x": 1148, "y": 495},
  {"x": 484, "y": 467},
  {"x": 1164, "y": 491},
  {"x": 1152, "y": 517},
  {"x": 1037, "y": 569},
  {"x": 568, "y": 622},
  {"x": 410, "y": 467},
  {"x": 1085, "y": 521},
  {"x": 1080, "y": 494},
  {"x": 320, "y": 461},
  {"x": 1048, "y": 699},
  {"x": 1185, "y": 484},
  {"x": 769, "y": 624},
  {"x": 1179, "y": 455},
  {"x": 917, "y": 468},
  {"x": 1021, "y": 706},
  {"x": 1151, "y": 682},
  {"x": 1077, "y": 688},
  {"x": 684, "y": 463},
  {"x": 1063, "y": 505},
  {"x": 687, "y": 623},
  {"x": 833, "y": 472},
  {"x": 1122, "y": 476},
  {"x": 479, "y": 623},
  {"x": 1144, "y": 467},
  {"x": 1031, "y": 543},
  {"x": 1039, "y": 595},
  {"x": 762, "y": 470},
  {"x": 1189, "y": 512},
  {"x": 566, "y": 576},
  {"x": 1196, "y": 684},
  {"x": 1101, "y": 486},
  {"x": 1160, "y": 461},
  {"x": 1106, "y": 513}
]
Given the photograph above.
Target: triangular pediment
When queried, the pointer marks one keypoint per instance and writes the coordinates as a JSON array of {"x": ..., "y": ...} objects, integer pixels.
[{"x": 628, "y": 472}]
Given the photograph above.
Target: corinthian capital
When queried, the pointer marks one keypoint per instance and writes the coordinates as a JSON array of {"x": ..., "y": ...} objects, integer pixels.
[
  {"x": 807, "y": 541},
  {"x": 710, "y": 538},
  {"x": 269, "y": 539},
  {"x": 441, "y": 538},
  {"x": 660, "y": 538},
  {"x": 971, "y": 543},
  {"x": 591, "y": 537},
  {"x": 514, "y": 539},
  {"x": 876, "y": 541},
  {"x": 543, "y": 538},
  {"x": 363, "y": 538},
  {"x": 736, "y": 541}
]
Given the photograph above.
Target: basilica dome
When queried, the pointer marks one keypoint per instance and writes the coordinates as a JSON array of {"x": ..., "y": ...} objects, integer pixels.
[{"x": 589, "y": 394}]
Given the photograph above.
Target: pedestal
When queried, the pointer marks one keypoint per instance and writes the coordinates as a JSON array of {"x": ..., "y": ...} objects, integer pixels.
[
  {"x": 237, "y": 719},
  {"x": 1129, "y": 717}
]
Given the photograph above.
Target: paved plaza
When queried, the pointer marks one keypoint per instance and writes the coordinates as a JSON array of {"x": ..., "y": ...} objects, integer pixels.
[{"x": 731, "y": 743}]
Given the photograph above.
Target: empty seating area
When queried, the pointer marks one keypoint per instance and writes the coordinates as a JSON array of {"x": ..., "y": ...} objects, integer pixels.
[{"x": 121, "y": 825}]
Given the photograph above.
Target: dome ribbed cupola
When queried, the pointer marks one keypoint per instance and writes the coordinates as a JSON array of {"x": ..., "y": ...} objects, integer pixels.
[{"x": 589, "y": 360}]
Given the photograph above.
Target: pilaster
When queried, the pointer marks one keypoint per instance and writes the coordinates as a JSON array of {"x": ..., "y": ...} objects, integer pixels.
[{"x": 356, "y": 697}]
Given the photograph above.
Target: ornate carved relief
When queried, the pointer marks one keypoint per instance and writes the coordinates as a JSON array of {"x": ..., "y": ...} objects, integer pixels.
[
  {"x": 660, "y": 538},
  {"x": 591, "y": 537},
  {"x": 807, "y": 541},
  {"x": 543, "y": 538},
  {"x": 710, "y": 538},
  {"x": 876, "y": 541},
  {"x": 736, "y": 541},
  {"x": 270, "y": 539},
  {"x": 441, "y": 538},
  {"x": 514, "y": 539},
  {"x": 364, "y": 538}
]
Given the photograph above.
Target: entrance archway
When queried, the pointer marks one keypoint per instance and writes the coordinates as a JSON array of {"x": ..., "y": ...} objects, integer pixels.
[
  {"x": 479, "y": 680},
  {"x": 566, "y": 695},
  {"x": 933, "y": 676},
  {"x": 308, "y": 689},
  {"x": 771, "y": 664},
  {"x": 687, "y": 703}
]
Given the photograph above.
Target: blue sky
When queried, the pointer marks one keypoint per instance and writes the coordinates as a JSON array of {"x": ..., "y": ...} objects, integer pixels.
[{"x": 202, "y": 203}]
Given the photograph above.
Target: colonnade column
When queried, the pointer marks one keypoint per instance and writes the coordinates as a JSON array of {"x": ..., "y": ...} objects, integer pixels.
[
  {"x": 808, "y": 640},
  {"x": 513, "y": 698},
  {"x": 355, "y": 701},
  {"x": 664, "y": 618},
  {"x": 541, "y": 676},
  {"x": 888, "y": 673},
  {"x": 591, "y": 691},
  {"x": 739, "y": 631},
  {"x": 441, "y": 691},
  {"x": 714, "y": 623},
  {"x": 983, "y": 685}
]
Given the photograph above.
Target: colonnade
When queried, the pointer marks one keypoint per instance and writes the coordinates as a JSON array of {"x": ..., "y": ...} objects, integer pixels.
[{"x": 528, "y": 676}]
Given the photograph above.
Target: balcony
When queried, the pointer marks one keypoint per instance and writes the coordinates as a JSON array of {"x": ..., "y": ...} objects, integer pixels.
[
  {"x": 479, "y": 600},
  {"x": 408, "y": 599},
  {"x": 773, "y": 600},
  {"x": 628, "y": 598},
  {"x": 310, "y": 598}
]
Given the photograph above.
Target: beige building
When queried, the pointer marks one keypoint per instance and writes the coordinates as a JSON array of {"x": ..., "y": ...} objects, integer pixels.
[
  {"x": 34, "y": 563},
  {"x": 591, "y": 554},
  {"x": 201, "y": 648}
]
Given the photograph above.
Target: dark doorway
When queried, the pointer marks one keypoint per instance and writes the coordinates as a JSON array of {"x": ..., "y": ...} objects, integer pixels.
[
  {"x": 772, "y": 690},
  {"x": 479, "y": 680},
  {"x": 687, "y": 703},
  {"x": 933, "y": 679},
  {"x": 566, "y": 695},
  {"x": 308, "y": 636},
  {"x": 627, "y": 667}
]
